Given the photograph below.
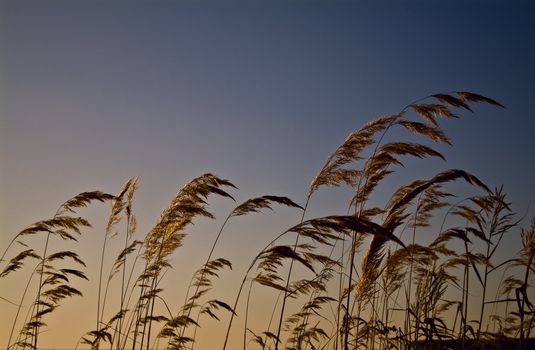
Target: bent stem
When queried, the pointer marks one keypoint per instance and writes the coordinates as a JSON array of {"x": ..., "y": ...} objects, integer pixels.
[
  {"x": 243, "y": 283},
  {"x": 285, "y": 297}
]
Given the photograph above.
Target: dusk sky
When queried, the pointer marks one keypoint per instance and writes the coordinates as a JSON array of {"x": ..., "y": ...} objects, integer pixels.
[{"x": 257, "y": 92}]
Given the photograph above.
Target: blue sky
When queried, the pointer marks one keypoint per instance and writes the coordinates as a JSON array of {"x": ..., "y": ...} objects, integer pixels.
[
  {"x": 173, "y": 89},
  {"x": 259, "y": 92}
]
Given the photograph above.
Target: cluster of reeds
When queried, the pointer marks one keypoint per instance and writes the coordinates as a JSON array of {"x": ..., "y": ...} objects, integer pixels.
[{"x": 359, "y": 280}]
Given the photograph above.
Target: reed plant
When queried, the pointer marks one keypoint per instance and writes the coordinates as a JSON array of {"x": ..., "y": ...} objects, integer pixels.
[{"x": 362, "y": 279}]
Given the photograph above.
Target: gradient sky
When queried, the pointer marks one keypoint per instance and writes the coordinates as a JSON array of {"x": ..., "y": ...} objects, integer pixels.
[{"x": 258, "y": 92}]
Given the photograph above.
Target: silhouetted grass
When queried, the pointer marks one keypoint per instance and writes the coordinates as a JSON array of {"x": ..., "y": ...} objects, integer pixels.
[{"x": 359, "y": 279}]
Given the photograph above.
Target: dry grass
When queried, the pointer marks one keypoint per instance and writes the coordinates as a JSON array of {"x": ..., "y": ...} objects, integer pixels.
[{"x": 395, "y": 294}]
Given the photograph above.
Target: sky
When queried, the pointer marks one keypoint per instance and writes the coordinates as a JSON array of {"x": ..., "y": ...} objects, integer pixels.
[{"x": 258, "y": 92}]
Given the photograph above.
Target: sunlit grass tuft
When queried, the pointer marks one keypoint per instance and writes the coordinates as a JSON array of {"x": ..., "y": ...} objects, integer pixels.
[{"x": 362, "y": 279}]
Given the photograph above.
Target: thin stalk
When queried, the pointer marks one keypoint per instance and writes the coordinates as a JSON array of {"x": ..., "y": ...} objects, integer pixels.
[
  {"x": 384, "y": 314},
  {"x": 313, "y": 294},
  {"x": 130, "y": 296},
  {"x": 465, "y": 297},
  {"x": 351, "y": 257},
  {"x": 285, "y": 296},
  {"x": 151, "y": 313},
  {"x": 340, "y": 292},
  {"x": 236, "y": 303},
  {"x": 483, "y": 296},
  {"x": 243, "y": 283},
  {"x": 154, "y": 283},
  {"x": 41, "y": 273},
  {"x": 246, "y": 315},
  {"x": 144, "y": 332},
  {"x": 523, "y": 303},
  {"x": 19, "y": 308},
  {"x": 289, "y": 277},
  {"x": 123, "y": 276},
  {"x": 409, "y": 291},
  {"x": 411, "y": 268},
  {"x": 151, "y": 302},
  {"x": 99, "y": 317},
  {"x": 372, "y": 320},
  {"x": 129, "y": 321},
  {"x": 204, "y": 269},
  {"x": 271, "y": 317},
  {"x": 139, "y": 308}
]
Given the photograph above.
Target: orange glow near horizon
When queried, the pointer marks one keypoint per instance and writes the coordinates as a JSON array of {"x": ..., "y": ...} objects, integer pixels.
[{"x": 259, "y": 93}]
